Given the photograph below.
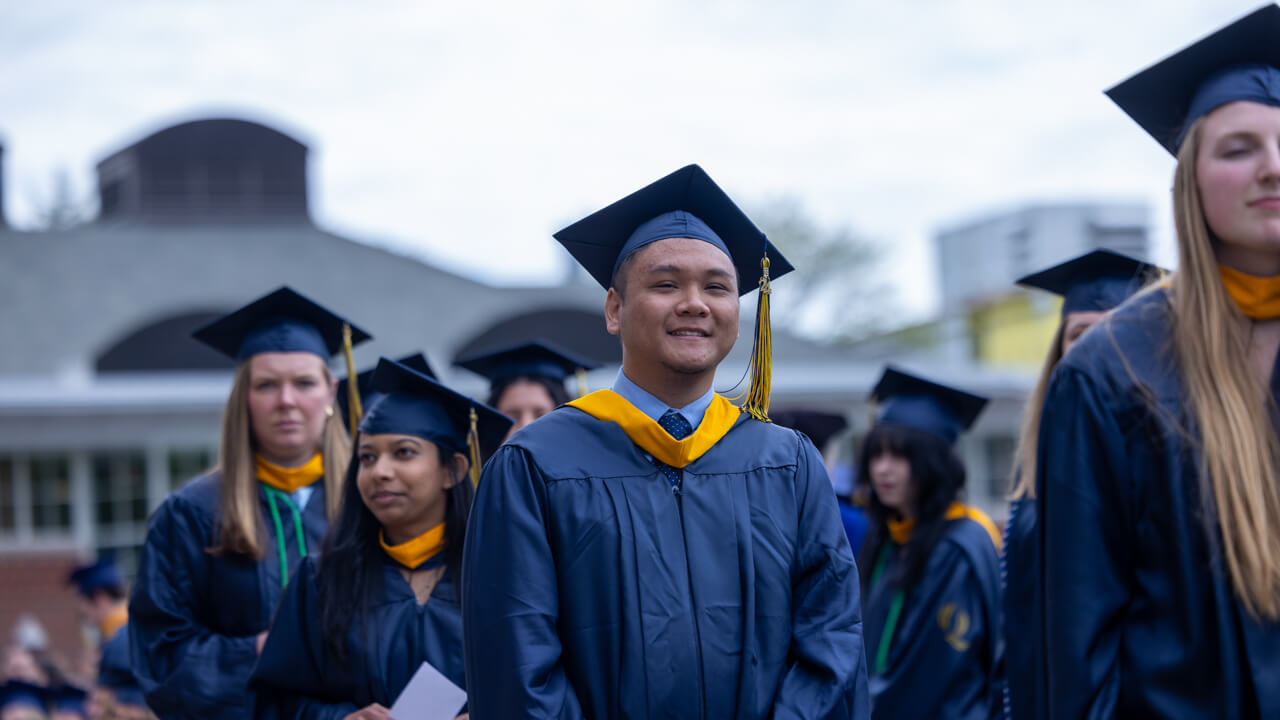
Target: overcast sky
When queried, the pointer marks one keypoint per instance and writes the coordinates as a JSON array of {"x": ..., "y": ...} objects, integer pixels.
[{"x": 466, "y": 133}]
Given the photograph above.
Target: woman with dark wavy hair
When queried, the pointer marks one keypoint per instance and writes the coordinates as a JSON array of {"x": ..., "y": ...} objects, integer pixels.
[
  {"x": 929, "y": 565},
  {"x": 382, "y": 599}
]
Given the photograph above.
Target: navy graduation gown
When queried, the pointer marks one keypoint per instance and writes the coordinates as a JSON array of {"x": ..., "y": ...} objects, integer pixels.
[
  {"x": 592, "y": 590},
  {"x": 1023, "y": 628},
  {"x": 1140, "y": 617},
  {"x": 296, "y": 678},
  {"x": 194, "y": 616},
  {"x": 854, "y": 520},
  {"x": 945, "y": 654}
]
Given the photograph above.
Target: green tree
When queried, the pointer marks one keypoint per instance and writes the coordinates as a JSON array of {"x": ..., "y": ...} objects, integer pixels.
[
  {"x": 836, "y": 292},
  {"x": 61, "y": 209}
]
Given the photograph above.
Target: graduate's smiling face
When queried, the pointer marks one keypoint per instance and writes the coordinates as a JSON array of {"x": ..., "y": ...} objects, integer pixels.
[
  {"x": 290, "y": 394},
  {"x": 1238, "y": 174},
  {"x": 677, "y": 310},
  {"x": 403, "y": 481}
]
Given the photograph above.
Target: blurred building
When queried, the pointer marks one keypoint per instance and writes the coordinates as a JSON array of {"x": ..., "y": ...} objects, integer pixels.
[{"x": 992, "y": 336}]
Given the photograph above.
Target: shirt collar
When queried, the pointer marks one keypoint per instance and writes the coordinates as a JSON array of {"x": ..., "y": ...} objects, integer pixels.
[{"x": 646, "y": 403}]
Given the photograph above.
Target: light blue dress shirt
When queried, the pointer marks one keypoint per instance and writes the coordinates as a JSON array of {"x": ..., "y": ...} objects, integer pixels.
[{"x": 646, "y": 403}]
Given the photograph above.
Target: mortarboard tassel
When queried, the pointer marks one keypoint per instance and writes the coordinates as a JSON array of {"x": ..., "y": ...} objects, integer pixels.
[
  {"x": 473, "y": 444},
  {"x": 581, "y": 374},
  {"x": 354, "y": 410},
  {"x": 757, "y": 396}
]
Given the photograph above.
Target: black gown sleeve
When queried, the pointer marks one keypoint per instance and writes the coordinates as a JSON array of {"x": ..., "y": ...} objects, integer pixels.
[
  {"x": 510, "y": 604},
  {"x": 827, "y": 676},
  {"x": 1081, "y": 470},
  {"x": 185, "y": 669}
]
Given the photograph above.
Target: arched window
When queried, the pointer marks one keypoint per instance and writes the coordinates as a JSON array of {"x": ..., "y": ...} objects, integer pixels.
[{"x": 165, "y": 344}]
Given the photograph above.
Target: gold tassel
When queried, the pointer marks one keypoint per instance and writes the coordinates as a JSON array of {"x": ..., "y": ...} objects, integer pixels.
[
  {"x": 582, "y": 382},
  {"x": 473, "y": 444},
  {"x": 757, "y": 396},
  {"x": 354, "y": 410}
]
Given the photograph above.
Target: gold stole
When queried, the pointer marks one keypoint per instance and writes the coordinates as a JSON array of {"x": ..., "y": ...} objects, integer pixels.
[
  {"x": 289, "y": 479},
  {"x": 609, "y": 406}
]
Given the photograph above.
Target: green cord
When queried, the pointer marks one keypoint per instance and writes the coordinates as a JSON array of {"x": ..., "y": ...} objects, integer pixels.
[
  {"x": 895, "y": 611},
  {"x": 272, "y": 494}
]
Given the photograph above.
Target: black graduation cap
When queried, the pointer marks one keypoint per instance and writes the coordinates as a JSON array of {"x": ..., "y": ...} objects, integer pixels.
[
  {"x": 1238, "y": 62},
  {"x": 282, "y": 321},
  {"x": 539, "y": 358},
  {"x": 364, "y": 381},
  {"x": 100, "y": 575},
  {"x": 21, "y": 694},
  {"x": 410, "y": 403},
  {"x": 686, "y": 203},
  {"x": 907, "y": 400},
  {"x": 819, "y": 426},
  {"x": 1098, "y": 280},
  {"x": 69, "y": 699}
]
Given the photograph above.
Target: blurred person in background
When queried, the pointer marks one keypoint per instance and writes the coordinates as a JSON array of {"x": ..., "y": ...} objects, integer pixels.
[
  {"x": 21, "y": 700},
  {"x": 527, "y": 381},
  {"x": 1090, "y": 285},
  {"x": 932, "y": 583},
  {"x": 21, "y": 664},
  {"x": 116, "y": 694},
  {"x": 68, "y": 703},
  {"x": 1158, "y": 453},
  {"x": 220, "y": 550},
  {"x": 355, "y": 625},
  {"x": 101, "y": 598},
  {"x": 820, "y": 427}
]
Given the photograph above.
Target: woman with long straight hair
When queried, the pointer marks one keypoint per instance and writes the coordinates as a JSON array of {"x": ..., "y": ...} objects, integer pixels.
[
  {"x": 1158, "y": 450},
  {"x": 930, "y": 564},
  {"x": 1090, "y": 285},
  {"x": 382, "y": 599},
  {"x": 220, "y": 550}
]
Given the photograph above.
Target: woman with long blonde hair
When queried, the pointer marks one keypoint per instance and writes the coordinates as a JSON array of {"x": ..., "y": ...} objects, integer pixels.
[
  {"x": 1158, "y": 454},
  {"x": 1090, "y": 285},
  {"x": 220, "y": 550}
]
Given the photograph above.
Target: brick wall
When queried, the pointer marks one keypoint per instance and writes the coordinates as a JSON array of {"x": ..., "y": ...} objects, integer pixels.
[{"x": 35, "y": 584}]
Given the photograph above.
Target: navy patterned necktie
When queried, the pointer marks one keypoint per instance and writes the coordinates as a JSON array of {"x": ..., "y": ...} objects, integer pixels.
[{"x": 679, "y": 428}]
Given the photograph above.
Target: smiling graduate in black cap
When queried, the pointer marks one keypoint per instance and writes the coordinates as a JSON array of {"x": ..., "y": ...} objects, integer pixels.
[
  {"x": 526, "y": 381},
  {"x": 931, "y": 580},
  {"x": 219, "y": 550},
  {"x": 653, "y": 550},
  {"x": 353, "y": 628},
  {"x": 1090, "y": 286},
  {"x": 1158, "y": 453}
]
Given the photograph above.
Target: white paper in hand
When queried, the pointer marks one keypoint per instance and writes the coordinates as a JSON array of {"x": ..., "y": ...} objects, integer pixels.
[{"x": 429, "y": 696}]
